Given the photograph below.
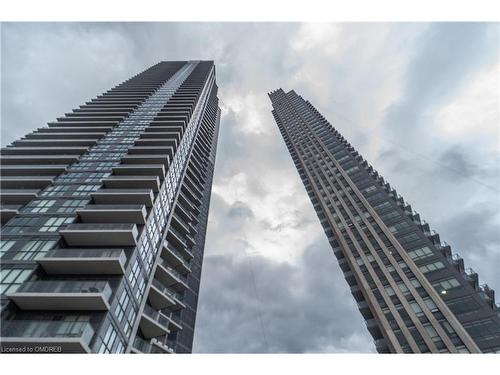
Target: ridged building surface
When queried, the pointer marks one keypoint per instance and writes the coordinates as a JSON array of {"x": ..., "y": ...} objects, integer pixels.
[
  {"x": 104, "y": 215},
  {"x": 414, "y": 294}
]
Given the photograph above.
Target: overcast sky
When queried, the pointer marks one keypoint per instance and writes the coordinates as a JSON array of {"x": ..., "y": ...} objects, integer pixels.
[{"x": 419, "y": 101}]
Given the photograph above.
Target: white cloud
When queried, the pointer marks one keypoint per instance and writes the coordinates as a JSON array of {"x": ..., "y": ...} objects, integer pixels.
[{"x": 475, "y": 112}]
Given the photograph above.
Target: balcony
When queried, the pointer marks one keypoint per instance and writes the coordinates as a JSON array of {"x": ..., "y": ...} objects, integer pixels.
[
  {"x": 140, "y": 170},
  {"x": 8, "y": 212},
  {"x": 175, "y": 259},
  {"x": 156, "y": 134},
  {"x": 124, "y": 196},
  {"x": 374, "y": 329},
  {"x": 75, "y": 129},
  {"x": 132, "y": 182},
  {"x": 162, "y": 297},
  {"x": 163, "y": 150},
  {"x": 42, "y": 150},
  {"x": 364, "y": 309},
  {"x": 84, "y": 262},
  {"x": 160, "y": 347},
  {"x": 72, "y": 337},
  {"x": 149, "y": 142},
  {"x": 17, "y": 196},
  {"x": 180, "y": 224},
  {"x": 62, "y": 295},
  {"x": 152, "y": 346},
  {"x": 159, "y": 128},
  {"x": 174, "y": 321},
  {"x": 38, "y": 159},
  {"x": 25, "y": 182},
  {"x": 77, "y": 235},
  {"x": 176, "y": 238},
  {"x": 113, "y": 213},
  {"x": 188, "y": 206},
  {"x": 191, "y": 195},
  {"x": 146, "y": 159},
  {"x": 170, "y": 277},
  {"x": 51, "y": 142},
  {"x": 33, "y": 170},
  {"x": 182, "y": 213},
  {"x": 153, "y": 323}
]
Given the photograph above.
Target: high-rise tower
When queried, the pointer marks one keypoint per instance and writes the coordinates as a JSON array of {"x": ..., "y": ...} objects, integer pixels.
[
  {"x": 414, "y": 294},
  {"x": 104, "y": 216}
]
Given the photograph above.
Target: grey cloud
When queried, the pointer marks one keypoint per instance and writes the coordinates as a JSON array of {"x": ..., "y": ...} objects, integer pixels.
[
  {"x": 446, "y": 57},
  {"x": 240, "y": 210},
  {"x": 475, "y": 236},
  {"x": 290, "y": 309}
]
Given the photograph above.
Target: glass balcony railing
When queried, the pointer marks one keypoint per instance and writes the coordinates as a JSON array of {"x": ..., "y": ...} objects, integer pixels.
[
  {"x": 179, "y": 235},
  {"x": 47, "y": 329},
  {"x": 171, "y": 248},
  {"x": 174, "y": 318},
  {"x": 142, "y": 345},
  {"x": 176, "y": 296},
  {"x": 100, "y": 227},
  {"x": 66, "y": 286},
  {"x": 86, "y": 253},
  {"x": 156, "y": 316},
  {"x": 173, "y": 271}
]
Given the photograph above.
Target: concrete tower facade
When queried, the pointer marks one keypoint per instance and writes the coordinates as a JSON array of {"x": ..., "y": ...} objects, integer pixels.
[
  {"x": 104, "y": 215},
  {"x": 414, "y": 294}
]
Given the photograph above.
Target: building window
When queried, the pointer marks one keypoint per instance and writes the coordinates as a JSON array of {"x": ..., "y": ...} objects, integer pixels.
[
  {"x": 420, "y": 253},
  {"x": 430, "y": 304},
  {"x": 5, "y": 246},
  {"x": 416, "y": 308},
  {"x": 12, "y": 278},
  {"x": 431, "y": 267},
  {"x": 69, "y": 206},
  {"x": 21, "y": 224},
  {"x": 34, "y": 250},
  {"x": 84, "y": 190},
  {"x": 444, "y": 285},
  {"x": 39, "y": 206},
  {"x": 54, "y": 223}
]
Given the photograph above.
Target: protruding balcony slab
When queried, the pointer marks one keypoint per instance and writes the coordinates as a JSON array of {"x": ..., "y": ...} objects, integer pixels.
[
  {"x": 38, "y": 159},
  {"x": 32, "y": 170},
  {"x": 71, "y": 337},
  {"x": 162, "y": 135},
  {"x": 156, "y": 142},
  {"x": 132, "y": 182},
  {"x": 62, "y": 295},
  {"x": 168, "y": 150},
  {"x": 162, "y": 297},
  {"x": 43, "y": 150},
  {"x": 176, "y": 238},
  {"x": 113, "y": 213},
  {"x": 170, "y": 277},
  {"x": 153, "y": 323},
  {"x": 18, "y": 196},
  {"x": 140, "y": 170},
  {"x": 64, "y": 135},
  {"x": 25, "y": 182},
  {"x": 100, "y": 234},
  {"x": 146, "y": 159},
  {"x": 175, "y": 259},
  {"x": 124, "y": 196},
  {"x": 52, "y": 142},
  {"x": 84, "y": 261},
  {"x": 7, "y": 213}
]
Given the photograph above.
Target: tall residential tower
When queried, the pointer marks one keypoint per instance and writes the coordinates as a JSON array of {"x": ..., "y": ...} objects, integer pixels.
[
  {"x": 104, "y": 216},
  {"x": 415, "y": 295}
]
